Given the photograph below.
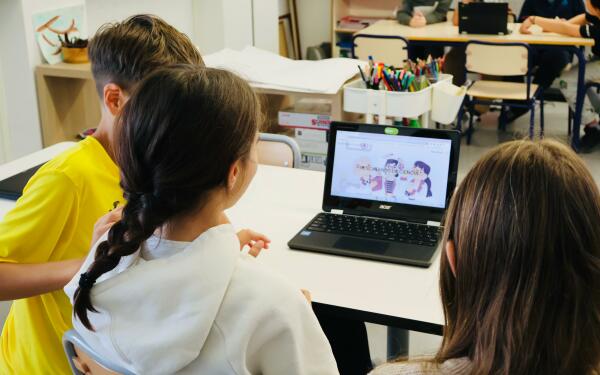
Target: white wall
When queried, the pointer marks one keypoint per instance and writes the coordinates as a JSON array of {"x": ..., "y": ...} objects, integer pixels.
[
  {"x": 176, "y": 12},
  {"x": 17, "y": 48},
  {"x": 235, "y": 24},
  {"x": 265, "y": 23},
  {"x": 314, "y": 22}
]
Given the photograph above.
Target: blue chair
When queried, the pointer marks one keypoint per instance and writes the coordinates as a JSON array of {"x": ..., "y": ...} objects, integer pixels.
[
  {"x": 502, "y": 59},
  {"x": 85, "y": 361}
]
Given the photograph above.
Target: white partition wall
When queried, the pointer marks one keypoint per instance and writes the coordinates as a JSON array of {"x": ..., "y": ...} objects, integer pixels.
[{"x": 235, "y": 24}]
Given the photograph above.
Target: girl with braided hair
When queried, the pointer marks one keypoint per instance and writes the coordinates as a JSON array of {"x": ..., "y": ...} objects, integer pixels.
[{"x": 167, "y": 289}]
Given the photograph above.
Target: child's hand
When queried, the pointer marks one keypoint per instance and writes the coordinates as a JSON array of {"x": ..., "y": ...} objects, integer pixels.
[
  {"x": 105, "y": 222},
  {"x": 526, "y": 26},
  {"x": 418, "y": 20},
  {"x": 256, "y": 241}
]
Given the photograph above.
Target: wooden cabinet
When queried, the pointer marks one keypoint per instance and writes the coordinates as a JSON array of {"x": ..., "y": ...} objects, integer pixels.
[{"x": 341, "y": 38}]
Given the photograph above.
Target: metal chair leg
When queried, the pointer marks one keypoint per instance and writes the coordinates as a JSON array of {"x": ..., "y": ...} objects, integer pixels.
[
  {"x": 541, "y": 115},
  {"x": 569, "y": 121},
  {"x": 531, "y": 121},
  {"x": 472, "y": 115}
]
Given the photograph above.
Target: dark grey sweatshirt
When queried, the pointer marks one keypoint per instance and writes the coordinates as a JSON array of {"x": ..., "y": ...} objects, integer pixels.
[{"x": 438, "y": 15}]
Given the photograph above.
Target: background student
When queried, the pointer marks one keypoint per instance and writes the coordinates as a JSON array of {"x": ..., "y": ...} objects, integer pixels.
[
  {"x": 43, "y": 239},
  {"x": 520, "y": 277},
  {"x": 549, "y": 62},
  {"x": 420, "y": 13},
  {"x": 586, "y": 25},
  {"x": 172, "y": 289}
]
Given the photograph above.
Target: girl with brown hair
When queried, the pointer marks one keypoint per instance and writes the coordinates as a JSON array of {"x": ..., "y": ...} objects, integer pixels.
[
  {"x": 520, "y": 277},
  {"x": 167, "y": 289}
]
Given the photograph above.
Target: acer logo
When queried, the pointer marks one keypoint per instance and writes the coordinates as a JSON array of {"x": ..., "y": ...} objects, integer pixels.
[{"x": 385, "y": 207}]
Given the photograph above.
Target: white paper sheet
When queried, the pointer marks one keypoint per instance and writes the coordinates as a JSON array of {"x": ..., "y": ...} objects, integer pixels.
[{"x": 268, "y": 70}]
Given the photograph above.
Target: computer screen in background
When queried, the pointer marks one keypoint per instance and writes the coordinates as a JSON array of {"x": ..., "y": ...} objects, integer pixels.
[{"x": 391, "y": 168}]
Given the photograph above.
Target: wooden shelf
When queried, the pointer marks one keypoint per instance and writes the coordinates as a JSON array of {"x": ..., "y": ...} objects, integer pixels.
[
  {"x": 68, "y": 101},
  {"x": 381, "y": 9}
]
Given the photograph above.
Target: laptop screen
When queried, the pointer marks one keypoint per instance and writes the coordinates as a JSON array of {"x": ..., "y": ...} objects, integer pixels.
[
  {"x": 391, "y": 168},
  {"x": 388, "y": 171}
]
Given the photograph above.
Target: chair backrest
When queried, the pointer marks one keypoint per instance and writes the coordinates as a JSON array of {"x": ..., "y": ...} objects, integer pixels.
[
  {"x": 392, "y": 50},
  {"x": 85, "y": 361},
  {"x": 498, "y": 59},
  {"x": 278, "y": 150}
]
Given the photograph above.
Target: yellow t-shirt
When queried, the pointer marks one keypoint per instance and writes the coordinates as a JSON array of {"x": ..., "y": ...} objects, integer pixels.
[{"x": 53, "y": 221}]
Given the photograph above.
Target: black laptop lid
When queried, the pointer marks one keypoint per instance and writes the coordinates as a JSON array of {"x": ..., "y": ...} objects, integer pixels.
[
  {"x": 387, "y": 171},
  {"x": 12, "y": 187},
  {"x": 483, "y": 18}
]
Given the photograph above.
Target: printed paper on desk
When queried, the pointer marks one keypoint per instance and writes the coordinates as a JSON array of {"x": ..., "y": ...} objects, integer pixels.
[{"x": 267, "y": 70}]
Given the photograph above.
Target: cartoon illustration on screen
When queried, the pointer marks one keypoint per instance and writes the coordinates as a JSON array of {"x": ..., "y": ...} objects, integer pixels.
[
  {"x": 391, "y": 171},
  {"x": 362, "y": 169},
  {"x": 420, "y": 183}
]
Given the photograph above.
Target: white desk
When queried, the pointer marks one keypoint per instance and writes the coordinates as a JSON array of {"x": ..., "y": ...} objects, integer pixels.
[
  {"x": 445, "y": 32},
  {"x": 278, "y": 203}
]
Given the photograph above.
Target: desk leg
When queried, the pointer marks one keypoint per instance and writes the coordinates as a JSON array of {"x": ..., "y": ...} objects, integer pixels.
[
  {"x": 397, "y": 343},
  {"x": 579, "y": 52}
]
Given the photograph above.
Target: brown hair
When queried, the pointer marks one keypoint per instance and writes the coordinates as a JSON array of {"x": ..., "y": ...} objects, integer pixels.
[
  {"x": 180, "y": 132},
  {"x": 125, "y": 52},
  {"x": 525, "y": 222}
]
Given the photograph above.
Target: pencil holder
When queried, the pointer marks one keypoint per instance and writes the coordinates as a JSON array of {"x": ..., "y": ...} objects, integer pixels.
[{"x": 359, "y": 99}]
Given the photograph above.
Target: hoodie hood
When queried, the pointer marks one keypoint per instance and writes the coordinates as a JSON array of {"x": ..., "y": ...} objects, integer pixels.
[{"x": 164, "y": 308}]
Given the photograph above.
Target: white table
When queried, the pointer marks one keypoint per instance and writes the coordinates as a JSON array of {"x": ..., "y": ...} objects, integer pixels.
[{"x": 278, "y": 203}]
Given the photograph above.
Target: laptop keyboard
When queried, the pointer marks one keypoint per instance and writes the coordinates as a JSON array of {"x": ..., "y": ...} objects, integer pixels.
[{"x": 382, "y": 229}]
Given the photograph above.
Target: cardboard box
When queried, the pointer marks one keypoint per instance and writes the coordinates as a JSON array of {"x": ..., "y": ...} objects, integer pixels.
[{"x": 307, "y": 113}]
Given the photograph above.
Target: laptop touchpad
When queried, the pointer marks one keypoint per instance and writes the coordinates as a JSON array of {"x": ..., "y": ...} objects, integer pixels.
[{"x": 362, "y": 245}]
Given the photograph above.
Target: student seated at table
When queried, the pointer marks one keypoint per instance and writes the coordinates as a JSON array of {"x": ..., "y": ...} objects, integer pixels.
[
  {"x": 549, "y": 62},
  {"x": 170, "y": 286},
  {"x": 520, "y": 272},
  {"x": 585, "y": 25},
  {"x": 45, "y": 237},
  {"x": 420, "y": 13}
]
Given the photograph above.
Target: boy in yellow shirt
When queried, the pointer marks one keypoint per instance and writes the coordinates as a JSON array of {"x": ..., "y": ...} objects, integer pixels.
[{"x": 44, "y": 238}]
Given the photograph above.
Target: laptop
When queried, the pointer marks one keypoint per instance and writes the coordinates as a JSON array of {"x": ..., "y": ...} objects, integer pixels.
[
  {"x": 12, "y": 187},
  {"x": 386, "y": 190},
  {"x": 483, "y": 18}
]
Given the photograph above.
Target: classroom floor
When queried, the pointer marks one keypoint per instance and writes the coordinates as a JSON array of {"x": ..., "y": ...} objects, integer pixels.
[{"x": 485, "y": 137}]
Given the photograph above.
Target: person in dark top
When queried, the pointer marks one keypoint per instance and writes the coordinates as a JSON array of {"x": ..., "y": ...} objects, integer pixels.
[
  {"x": 584, "y": 25},
  {"x": 420, "y": 13},
  {"x": 550, "y": 62}
]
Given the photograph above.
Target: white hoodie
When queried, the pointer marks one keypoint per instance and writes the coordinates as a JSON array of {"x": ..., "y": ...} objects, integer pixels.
[{"x": 205, "y": 308}]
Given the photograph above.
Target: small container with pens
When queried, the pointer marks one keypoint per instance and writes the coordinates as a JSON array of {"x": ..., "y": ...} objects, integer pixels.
[{"x": 406, "y": 94}]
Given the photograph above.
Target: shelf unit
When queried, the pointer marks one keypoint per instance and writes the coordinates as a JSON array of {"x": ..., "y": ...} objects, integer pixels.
[
  {"x": 379, "y": 9},
  {"x": 67, "y": 100}
]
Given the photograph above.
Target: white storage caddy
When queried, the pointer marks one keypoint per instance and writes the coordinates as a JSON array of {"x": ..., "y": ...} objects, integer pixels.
[{"x": 359, "y": 99}]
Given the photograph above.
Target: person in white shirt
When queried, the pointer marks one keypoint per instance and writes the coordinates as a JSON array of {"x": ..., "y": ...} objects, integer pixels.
[{"x": 167, "y": 289}]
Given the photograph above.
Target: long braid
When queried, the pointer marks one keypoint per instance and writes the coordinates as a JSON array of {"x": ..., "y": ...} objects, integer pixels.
[{"x": 141, "y": 217}]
